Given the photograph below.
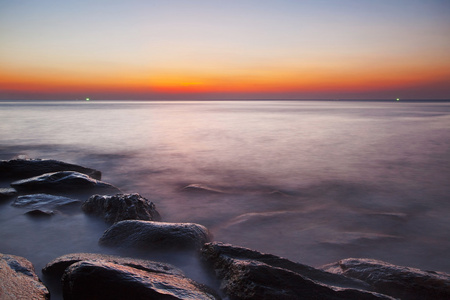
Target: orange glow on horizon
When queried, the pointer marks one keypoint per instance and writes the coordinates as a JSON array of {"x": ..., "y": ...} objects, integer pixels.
[{"x": 263, "y": 81}]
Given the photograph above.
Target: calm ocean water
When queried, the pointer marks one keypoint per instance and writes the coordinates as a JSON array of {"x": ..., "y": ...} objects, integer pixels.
[{"x": 311, "y": 181}]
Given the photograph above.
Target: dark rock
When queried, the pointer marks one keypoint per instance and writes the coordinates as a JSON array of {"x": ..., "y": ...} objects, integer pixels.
[
  {"x": 88, "y": 280},
  {"x": 121, "y": 207},
  {"x": 155, "y": 235},
  {"x": 397, "y": 281},
  {"x": 220, "y": 256},
  {"x": 57, "y": 266},
  {"x": 25, "y": 168},
  {"x": 248, "y": 274},
  {"x": 255, "y": 280},
  {"x": 64, "y": 181},
  {"x": 7, "y": 193},
  {"x": 18, "y": 279},
  {"x": 40, "y": 213},
  {"x": 43, "y": 201}
]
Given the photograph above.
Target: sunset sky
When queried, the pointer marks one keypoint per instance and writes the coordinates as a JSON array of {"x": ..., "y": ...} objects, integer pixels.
[{"x": 174, "y": 49}]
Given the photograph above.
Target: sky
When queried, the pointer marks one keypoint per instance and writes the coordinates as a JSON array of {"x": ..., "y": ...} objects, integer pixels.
[{"x": 175, "y": 49}]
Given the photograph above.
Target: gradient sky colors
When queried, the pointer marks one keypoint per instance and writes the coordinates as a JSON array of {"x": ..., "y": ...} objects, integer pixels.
[{"x": 174, "y": 49}]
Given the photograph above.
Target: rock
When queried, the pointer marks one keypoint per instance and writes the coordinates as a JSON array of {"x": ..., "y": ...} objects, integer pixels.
[
  {"x": 87, "y": 280},
  {"x": 25, "y": 168},
  {"x": 18, "y": 279},
  {"x": 43, "y": 201},
  {"x": 397, "y": 281},
  {"x": 149, "y": 235},
  {"x": 57, "y": 266},
  {"x": 255, "y": 280},
  {"x": 248, "y": 274},
  {"x": 7, "y": 193},
  {"x": 220, "y": 256},
  {"x": 40, "y": 213},
  {"x": 64, "y": 181},
  {"x": 121, "y": 207}
]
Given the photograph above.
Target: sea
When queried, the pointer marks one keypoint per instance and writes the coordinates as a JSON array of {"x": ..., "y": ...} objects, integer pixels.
[{"x": 311, "y": 181}]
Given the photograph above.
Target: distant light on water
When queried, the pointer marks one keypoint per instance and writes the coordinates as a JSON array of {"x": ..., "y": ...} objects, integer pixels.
[
  {"x": 87, "y": 99},
  {"x": 398, "y": 99}
]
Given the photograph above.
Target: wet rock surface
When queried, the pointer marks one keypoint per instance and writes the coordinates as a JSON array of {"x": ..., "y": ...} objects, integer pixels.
[
  {"x": 149, "y": 235},
  {"x": 57, "y": 266},
  {"x": 7, "y": 193},
  {"x": 64, "y": 181},
  {"x": 221, "y": 255},
  {"x": 103, "y": 280},
  {"x": 43, "y": 201},
  {"x": 25, "y": 168},
  {"x": 19, "y": 280},
  {"x": 121, "y": 207},
  {"x": 397, "y": 281},
  {"x": 248, "y": 274}
]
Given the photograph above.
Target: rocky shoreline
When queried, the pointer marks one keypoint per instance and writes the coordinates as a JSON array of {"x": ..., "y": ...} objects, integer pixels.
[{"x": 44, "y": 187}]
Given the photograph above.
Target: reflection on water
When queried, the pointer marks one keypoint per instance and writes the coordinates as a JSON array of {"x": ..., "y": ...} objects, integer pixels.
[{"x": 311, "y": 181}]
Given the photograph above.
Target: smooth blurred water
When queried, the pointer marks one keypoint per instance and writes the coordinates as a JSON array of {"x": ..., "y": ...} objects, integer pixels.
[{"x": 311, "y": 181}]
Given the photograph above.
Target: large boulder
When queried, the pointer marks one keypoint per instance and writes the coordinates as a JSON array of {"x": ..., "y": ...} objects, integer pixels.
[
  {"x": 43, "y": 201},
  {"x": 149, "y": 235},
  {"x": 57, "y": 266},
  {"x": 249, "y": 274},
  {"x": 220, "y": 256},
  {"x": 86, "y": 280},
  {"x": 19, "y": 280},
  {"x": 64, "y": 181},
  {"x": 25, "y": 168},
  {"x": 121, "y": 207},
  {"x": 397, "y": 281}
]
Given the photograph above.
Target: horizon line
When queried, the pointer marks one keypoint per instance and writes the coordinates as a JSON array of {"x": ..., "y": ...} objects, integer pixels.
[{"x": 242, "y": 99}]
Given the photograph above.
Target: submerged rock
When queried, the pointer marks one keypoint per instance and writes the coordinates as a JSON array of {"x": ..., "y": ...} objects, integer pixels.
[
  {"x": 57, "y": 266},
  {"x": 202, "y": 188},
  {"x": 87, "y": 280},
  {"x": 249, "y": 274},
  {"x": 25, "y": 168},
  {"x": 64, "y": 181},
  {"x": 397, "y": 281},
  {"x": 40, "y": 213},
  {"x": 121, "y": 207},
  {"x": 43, "y": 201},
  {"x": 19, "y": 280},
  {"x": 155, "y": 235},
  {"x": 7, "y": 193}
]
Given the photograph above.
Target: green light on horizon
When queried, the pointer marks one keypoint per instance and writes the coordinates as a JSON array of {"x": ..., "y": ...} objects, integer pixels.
[
  {"x": 87, "y": 99},
  {"x": 398, "y": 99}
]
